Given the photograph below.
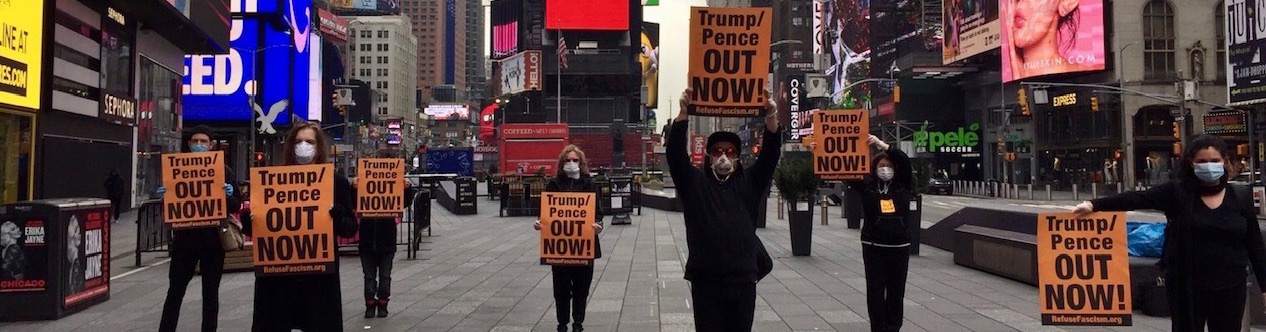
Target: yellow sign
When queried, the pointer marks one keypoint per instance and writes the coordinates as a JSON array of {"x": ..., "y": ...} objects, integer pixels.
[
  {"x": 1066, "y": 100},
  {"x": 1083, "y": 269},
  {"x": 21, "y": 52}
]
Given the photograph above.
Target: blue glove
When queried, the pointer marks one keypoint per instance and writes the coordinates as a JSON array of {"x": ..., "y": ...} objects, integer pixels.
[
  {"x": 161, "y": 191},
  {"x": 228, "y": 189}
]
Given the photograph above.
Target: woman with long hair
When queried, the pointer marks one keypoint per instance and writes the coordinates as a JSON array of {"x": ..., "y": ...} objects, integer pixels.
[
  {"x": 571, "y": 283},
  {"x": 1211, "y": 238},
  {"x": 306, "y": 302}
]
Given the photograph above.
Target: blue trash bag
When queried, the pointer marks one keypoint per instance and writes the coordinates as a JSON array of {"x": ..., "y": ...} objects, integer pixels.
[{"x": 1146, "y": 239}]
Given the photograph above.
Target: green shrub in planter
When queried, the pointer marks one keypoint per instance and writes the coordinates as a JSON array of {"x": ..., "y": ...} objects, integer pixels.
[{"x": 795, "y": 180}]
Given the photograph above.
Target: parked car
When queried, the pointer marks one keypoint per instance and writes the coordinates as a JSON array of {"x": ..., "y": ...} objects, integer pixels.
[{"x": 940, "y": 184}]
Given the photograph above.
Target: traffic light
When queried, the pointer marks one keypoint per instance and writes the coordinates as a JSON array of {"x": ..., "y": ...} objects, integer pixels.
[
  {"x": 896, "y": 94},
  {"x": 1023, "y": 100},
  {"x": 1177, "y": 130},
  {"x": 1094, "y": 103}
]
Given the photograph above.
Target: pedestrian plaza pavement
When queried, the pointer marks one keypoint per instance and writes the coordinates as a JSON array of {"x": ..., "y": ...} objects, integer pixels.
[{"x": 482, "y": 273}]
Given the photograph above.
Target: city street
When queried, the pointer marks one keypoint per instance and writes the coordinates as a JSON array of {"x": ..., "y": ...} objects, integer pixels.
[{"x": 481, "y": 273}]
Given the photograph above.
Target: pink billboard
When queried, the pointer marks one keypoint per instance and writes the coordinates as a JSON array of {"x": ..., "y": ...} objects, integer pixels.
[{"x": 1045, "y": 37}]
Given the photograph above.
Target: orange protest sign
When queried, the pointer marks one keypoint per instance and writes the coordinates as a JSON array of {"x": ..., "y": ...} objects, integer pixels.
[
  {"x": 1083, "y": 269},
  {"x": 380, "y": 187},
  {"x": 291, "y": 223},
  {"x": 195, "y": 194},
  {"x": 841, "y": 150},
  {"x": 567, "y": 234},
  {"x": 729, "y": 61}
]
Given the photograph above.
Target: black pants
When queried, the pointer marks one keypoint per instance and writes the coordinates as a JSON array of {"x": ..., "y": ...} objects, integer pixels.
[
  {"x": 723, "y": 306},
  {"x": 117, "y": 204},
  {"x": 183, "y": 261},
  {"x": 1222, "y": 310},
  {"x": 886, "y": 270},
  {"x": 310, "y": 303},
  {"x": 571, "y": 292},
  {"x": 377, "y": 267}
]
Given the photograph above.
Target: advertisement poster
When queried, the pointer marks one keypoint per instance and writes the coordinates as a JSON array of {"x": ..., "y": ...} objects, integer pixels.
[
  {"x": 22, "y": 52},
  {"x": 649, "y": 58},
  {"x": 567, "y": 234},
  {"x": 505, "y": 27},
  {"x": 23, "y": 256},
  {"x": 842, "y": 36},
  {"x": 1039, "y": 38},
  {"x": 87, "y": 255},
  {"x": 793, "y": 94},
  {"x": 380, "y": 187},
  {"x": 602, "y": 15},
  {"x": 971, "y": 27},
  {"x": 1222, "y": 123},
  {"x": 841, "y": 149},
  {"x": 195, "y": 195},
  {"x": 521, "y": 72},
  {"x": 1083, "y": 269},
  {"x": 729, "y": 61},
  {"x": 1245, "y": 42},
  {"x": 294, "y": 233},
  {"x": 697, "y": 147}
]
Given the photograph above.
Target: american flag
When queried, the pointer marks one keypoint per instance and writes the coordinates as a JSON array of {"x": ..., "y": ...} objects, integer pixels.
[{"x": 562, "y": 51}]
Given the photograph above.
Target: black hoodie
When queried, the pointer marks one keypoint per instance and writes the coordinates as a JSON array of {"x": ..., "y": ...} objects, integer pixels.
[
  {"x": 720, "y": 216},
  {"x": 562, "y": 183},
  {"x": 887, "y": 229}
]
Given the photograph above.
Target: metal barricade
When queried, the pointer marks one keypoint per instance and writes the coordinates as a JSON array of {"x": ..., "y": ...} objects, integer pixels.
[
  {"x": 153, "y": 234},
  {"x": 521, "y": 199}
]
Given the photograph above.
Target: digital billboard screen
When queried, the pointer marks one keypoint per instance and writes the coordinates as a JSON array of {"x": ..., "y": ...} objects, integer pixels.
[
  {"x": 1045, "y": 38},
  {"x": 970, "y": 26},
  {"x": 609, "y": 15}
]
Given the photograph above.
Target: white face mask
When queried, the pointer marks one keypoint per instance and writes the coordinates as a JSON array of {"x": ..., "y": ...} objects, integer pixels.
[
  {"x": 886, "y": 173},
  {"x": 305, "y": 152},
  {"x": 723, "y": 166},
  {"x": 572, "y": 169}
]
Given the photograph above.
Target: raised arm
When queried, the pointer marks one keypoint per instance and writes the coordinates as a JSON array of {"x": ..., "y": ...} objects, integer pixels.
[
  {"x": 762, "y": 172},
  {"x": 905, "y": 171},
  {"x": 679, "y": 166}
]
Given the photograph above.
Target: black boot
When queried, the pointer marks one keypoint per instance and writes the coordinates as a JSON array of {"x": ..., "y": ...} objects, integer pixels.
[
  {"x": 562, "y": 327},
  {"x": 382, "y": 308},
  {"x": 371, "y": 307},
  {"x": 577, "y": 327}
]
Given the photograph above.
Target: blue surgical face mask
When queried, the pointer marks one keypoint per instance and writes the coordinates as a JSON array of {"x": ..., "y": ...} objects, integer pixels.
[
  {"x": 199, "y": 148},
  {"x": 1210, "y": 172}
]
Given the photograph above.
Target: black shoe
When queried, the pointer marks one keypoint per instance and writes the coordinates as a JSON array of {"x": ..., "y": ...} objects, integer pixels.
[
  {"x": 562, "y": 327},
  {"x": 576, "y": 327},
  {"x": 371, "y": 307},
  {"x": 382, "y": 308}
]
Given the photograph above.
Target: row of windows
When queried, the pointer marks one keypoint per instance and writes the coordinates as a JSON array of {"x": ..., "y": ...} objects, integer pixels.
[
  {"x": 381, "y": 60},
  {"x": 1159, "y": 45}
]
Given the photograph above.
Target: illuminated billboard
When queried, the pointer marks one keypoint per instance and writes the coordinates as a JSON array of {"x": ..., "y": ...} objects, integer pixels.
[
  {"x": 448, "y": 112},
  {"x": 608, "y": 15},
  {"x": 971, "y": 27},
  {"x": 1044, "y": 38}
]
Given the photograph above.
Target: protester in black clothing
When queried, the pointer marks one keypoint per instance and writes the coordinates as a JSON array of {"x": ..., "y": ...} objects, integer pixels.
[
  {"x": 306, "y": 302},
  {"x": 571, "y": 283},
  {"x": 1211, "y": 239},
  {"x": 886, "y": 196},
  {"x": 377, "y": 252},
  {"x": 114, "y": 186},
  {"x": 727, "y": 259}
]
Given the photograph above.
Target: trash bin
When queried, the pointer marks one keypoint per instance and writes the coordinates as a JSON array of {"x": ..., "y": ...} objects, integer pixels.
[
  {"x": 800, "y": 220},
  {"x": 914, "y": 226},
  {"x": 54, "y": 257},
  {"x": 422, "y": 209}
]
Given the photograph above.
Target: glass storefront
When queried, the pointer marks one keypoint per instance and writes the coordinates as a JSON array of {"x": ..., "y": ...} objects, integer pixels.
[
  {"x": 158, "y": 123},
  {"x": 15, "y": 156}
]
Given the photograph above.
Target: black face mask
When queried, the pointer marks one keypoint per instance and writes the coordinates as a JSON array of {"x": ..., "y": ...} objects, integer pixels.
[{"x": 1202, "y": 188}]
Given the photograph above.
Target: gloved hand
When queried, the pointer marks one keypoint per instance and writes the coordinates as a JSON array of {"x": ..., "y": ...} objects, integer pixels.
[
  {"x": 228, "y": 189},
  {"x": 161, "y": 191}
]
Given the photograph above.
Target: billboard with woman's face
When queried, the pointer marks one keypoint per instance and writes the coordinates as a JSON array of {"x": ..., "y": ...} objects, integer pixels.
[{"x": 1044, "y": 37}]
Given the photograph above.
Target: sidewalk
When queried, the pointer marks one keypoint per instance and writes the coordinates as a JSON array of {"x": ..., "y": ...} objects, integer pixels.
[{"x": 481, "y": 273}]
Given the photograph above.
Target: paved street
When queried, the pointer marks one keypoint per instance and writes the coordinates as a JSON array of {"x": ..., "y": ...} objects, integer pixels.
[{"x": 481, "y": 273}]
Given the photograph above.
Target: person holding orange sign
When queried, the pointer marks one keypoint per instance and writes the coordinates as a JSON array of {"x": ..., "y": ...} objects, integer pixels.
[
  {"x": 571, "y": 283},
  {"x": 727, "y": 259},
  {"x": 306, "y": 302},
  {"x": 1211, "y": 239},
  {"x": 886, "y": 195}
]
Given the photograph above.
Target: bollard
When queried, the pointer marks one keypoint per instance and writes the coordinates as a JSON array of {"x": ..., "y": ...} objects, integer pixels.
[
  {"x": 1094, "y": 190},
  {"x": 780, "y": 206},
  {"x": 1048, "y": 192},
  {"x": 1076, "y": 195},
  {"x": 1120, "y": 187},
  {"x": 1030, "y": 191},
  {"x": 1015, "y": 191},
  {"x": 825, "y": 211}
]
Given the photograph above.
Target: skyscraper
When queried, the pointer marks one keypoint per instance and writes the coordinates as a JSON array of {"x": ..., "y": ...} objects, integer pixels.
[{"x": 440, "y": 26}]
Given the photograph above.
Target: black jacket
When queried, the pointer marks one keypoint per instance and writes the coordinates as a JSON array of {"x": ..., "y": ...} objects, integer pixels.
[
  {"x": 720, "y": 216},
  {"x": 208, "y": 238},
  {"x": 275, "y": 289},
  {"x": 1177, "y": 201},
  {"x": 888, "y": 229},
  {"x": 584, "y": 184},
  {"x": 379, "y": 234}
]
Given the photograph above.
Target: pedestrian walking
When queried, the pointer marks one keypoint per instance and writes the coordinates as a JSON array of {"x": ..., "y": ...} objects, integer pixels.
[
  {"x": 571, "y": 283},
  {"x": 886, "y": 194},
  {"x": 198, "y": 247},
  {"x": 306, "y": 302},
  {"x": 727, "y": 259},
  {"x": 1211, "y": 239},
  {"x": 114, "y": 186},
  {"x": 377, "y": 252}
]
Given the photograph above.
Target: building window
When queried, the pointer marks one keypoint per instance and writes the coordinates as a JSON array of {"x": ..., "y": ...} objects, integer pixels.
[
  {"x": 1158, "y": 41},
  {"x": 364, "y": 72},
  {"x": 1219, "y": 19},
  {"x": 797, "y": 54},
  {"x": 366, "y": 34},
  {"x": 382, "y": 111},
  {"x": 364, "y": 60},
  {"x": 382, "y": 34},
  {"x": 382, "y": 47},
  {"x": 797, "y": 21}
]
